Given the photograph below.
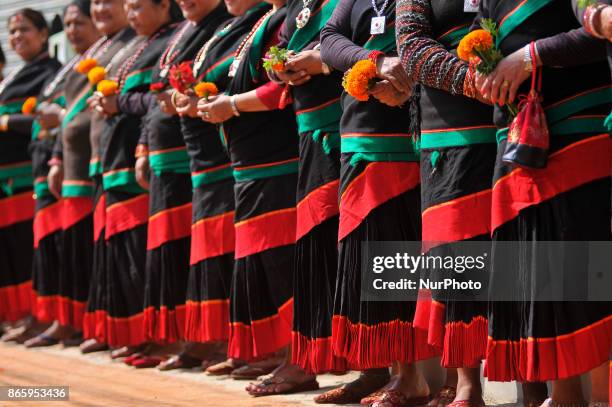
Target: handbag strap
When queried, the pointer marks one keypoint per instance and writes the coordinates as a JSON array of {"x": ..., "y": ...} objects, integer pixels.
[{"x": 536, "y": 72}]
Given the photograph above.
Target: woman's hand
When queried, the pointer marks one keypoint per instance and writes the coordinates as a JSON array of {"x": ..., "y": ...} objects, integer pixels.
[
  {"x": 164, "y": 99},
  {"x": 386, "y": 93},
  {"x": 501, "y": 85},
  {"x": 109, "y": 105},
  {"x": 142, "y": 172},
  {"x": 391, "y": 69},
  {"x": 604, "y": 23},
  {"x": 49, "y": 115},
  {"x": 293, "y": 78},
  {"x": 217, "y": 110},
  {"x": 93, "y": 103},
  {"x": 186, "y": 105},
  {"x": 55, "y": 179},
  {"x": 307, "y": 61}
]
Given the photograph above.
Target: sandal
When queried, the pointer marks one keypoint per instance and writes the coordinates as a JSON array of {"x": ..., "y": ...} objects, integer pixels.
[
  {"x": 180, "y": 361},
  {"x": 224, "y": 368},
  {"x": 40, "y": 341},
  {"x": 212, "y": 361},
  {"x": 147, "y": 362},
  {"x": 92, "y": 345},
  {"x": 395, "y": 398},
  {"x": 446, "y": 395},
  {"x": 364, "y": 387},
  {"x": 294, "y": 387},
  {"x": 248, "y": 372},
  {"x": 339, "y": 395},
  {"x": 132, "y": 358},
  {"x": 124, "y": 352},
  {"x": 74, "y": 340}
]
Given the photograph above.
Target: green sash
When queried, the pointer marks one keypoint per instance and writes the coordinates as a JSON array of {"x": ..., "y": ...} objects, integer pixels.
[
  {"x": 517, "y": 16},
  {"x": 383, "y": 42},
  {"x": 304, "y": 36},
  {"x": 77, "y": 108},
  {"x": 124, "y": 180},
  {"x": 270, "y": 170},
  {"x": 171, "y": 161},
  {"x": 457, "y": 137},
  {"x": 211, "y": 175},
  {"x": 257, "y": 47},
  {"x": 137, "y": 78},
  {"x": 72, "y": 191},
  {"x": 11, "y": 108},
  {"x": 41, "y": 189}
]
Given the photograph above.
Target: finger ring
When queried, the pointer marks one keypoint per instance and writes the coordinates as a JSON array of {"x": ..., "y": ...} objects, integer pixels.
[{"x": 206, "y": 115}]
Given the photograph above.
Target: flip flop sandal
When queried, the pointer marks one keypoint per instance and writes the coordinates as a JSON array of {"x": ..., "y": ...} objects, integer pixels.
[
  {"x": 41, "y": 341},
  {"x": 396, "y": 399},
  {"x": 147, "y": 362},
  {"x": 294, "y": 387},
  {"x": 180, "y": 361},
  {"x": 223, "y": 368},
  {"x": 132, "y": 358},
  {"x": 446, "y": 395},
  {"x": 247, "y": 372},
  {"x": 340, "y": 395}
]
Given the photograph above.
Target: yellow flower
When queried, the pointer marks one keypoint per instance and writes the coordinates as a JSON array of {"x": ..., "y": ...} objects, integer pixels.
[
  {"x": 85, "y": 65},
  {"x": 96, "y": 74},
  {"x": 107, "y": 87},
  {"x": 206, "y": 89},
  {"x": 477, "y": 40},
  {"x": 358, "y": 79},
  {"x": 29, "y": 105}
]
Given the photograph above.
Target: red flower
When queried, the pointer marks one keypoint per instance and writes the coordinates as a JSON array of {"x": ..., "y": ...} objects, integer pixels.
[
  {"x": 156, "y": 87},
  {"x": 181, "y": 77}
]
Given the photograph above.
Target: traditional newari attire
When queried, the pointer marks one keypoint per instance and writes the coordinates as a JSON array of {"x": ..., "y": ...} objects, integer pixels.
[
  {"x": 170, "y": 211},
  {"x": 212, "y": 225},
  {"x": 49, "y": 210},
  {"x": 569, "y": 200},
  {"x": 264, "y": 153},
  {"x": 318, "y": 111},
  {"x": 78, "y": 190},
  {"x": 83, "y": 179},
  {"x": 16, "y": 182},
  {"x": 457, "y": 142},
  {"x": 379, "y": 197}
]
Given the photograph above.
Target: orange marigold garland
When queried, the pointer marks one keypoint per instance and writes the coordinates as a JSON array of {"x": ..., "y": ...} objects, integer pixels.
[
  {"x": 29, "y": 105},
  {"x": 205, "y": 90},
  {"x": 358, "y": 80},
  {"x": 86, "y": 65},
  {"x": 480, "y": 44},
  {"x": 107, "y": 87},
  {"x": 96, "y": 74}
]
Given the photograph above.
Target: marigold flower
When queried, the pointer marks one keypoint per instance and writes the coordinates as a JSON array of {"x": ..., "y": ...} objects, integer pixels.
[
  {"x": 29, "y": 105},
  {"x": 85, "y": 65},
  {"x": 206, "y": 89},
  {"x": 477, "y": 40},
  {"x": 358, "y": 80},
  {"x": 156, "y": 87},
  {"x": 96, "y": 74},
  {"x": 107, "y": 87}
]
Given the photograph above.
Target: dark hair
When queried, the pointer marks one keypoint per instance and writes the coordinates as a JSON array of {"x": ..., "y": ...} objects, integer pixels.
[
  {"x": 34, "y": 16},
  {"x": 84, "y": 6},
  {"x": 2, "y": 57},
  {"x": 175, "y": 11}
]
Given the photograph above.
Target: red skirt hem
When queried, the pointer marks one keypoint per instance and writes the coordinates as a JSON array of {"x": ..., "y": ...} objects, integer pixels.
[
  {"x": 315, "y": 355},
  {"x": 207, "y": 321},
  {"x": 543, "y": 359}
]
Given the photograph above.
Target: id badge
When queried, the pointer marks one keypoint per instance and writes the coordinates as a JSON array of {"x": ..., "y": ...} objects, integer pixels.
[
  {"x": 378, "y": 25},
  {"x": 470, "y": 6}
]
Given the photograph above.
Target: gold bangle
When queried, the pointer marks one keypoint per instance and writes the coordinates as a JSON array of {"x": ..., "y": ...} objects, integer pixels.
[
  {"x": 173, "y": 98},
  {"x": 4, "y": 120}
]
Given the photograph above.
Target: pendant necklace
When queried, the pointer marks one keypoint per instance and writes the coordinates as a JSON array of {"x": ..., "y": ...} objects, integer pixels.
[
  {"x": 377, "y": 26},
  {"x": 304, "y": 16}
]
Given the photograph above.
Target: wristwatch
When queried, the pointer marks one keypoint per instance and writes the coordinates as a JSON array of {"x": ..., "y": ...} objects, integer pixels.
[
  {"x": 234, "y": 106},
  {"x": 527, "y": 61}
]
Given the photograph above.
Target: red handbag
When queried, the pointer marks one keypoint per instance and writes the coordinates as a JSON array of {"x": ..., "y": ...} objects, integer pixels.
[{"x": 528, "y": 137}]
